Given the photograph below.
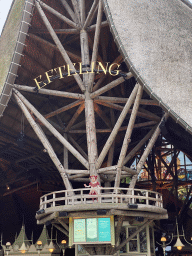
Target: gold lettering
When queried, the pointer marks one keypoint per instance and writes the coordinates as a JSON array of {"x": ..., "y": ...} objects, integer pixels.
[
  {"x": 39, "y": 82},
  {"x": 80, "y": 68},
  {"x": 60, "y": 71},
  {"x": 49, "y": 76},
  {"x": 68, "y": 69},
  {"x": 101, "y": 65},
  {"x": 117, "y": 71}
]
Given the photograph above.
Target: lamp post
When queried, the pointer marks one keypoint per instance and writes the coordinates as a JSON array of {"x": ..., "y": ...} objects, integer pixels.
[
  {"x": 7, "y": 247},
  {"x": 163, "y": 240},
  {"x": 39, "y": 246},
  {"x": 63, "y": 246}
]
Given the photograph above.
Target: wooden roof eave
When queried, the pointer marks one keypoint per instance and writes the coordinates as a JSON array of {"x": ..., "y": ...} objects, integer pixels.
[{"x": 12, "y": 43}]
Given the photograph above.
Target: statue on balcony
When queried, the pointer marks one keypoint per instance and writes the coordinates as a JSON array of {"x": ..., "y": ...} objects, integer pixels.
[{"x": 94, "y": 185}]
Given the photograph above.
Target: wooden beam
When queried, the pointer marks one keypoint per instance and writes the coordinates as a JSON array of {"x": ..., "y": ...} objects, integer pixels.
[
  {"x": 124, "y": 100},
  {"x": 147, "y": 151},
  {"x": 127, "y": 137},
  {"x": 69, "y": 10},
  {"x": 43, "y": 41},
  {"x": 52, "y": 129},
  {"x": 77, "y": 146},
  {"x": 60, "y": 46},
  {"x": 61, "y": 229},
  {"x": 110, "y": 85},
  {"x": 63, "y": 94},
  {"x": 90, "y": 14},
  {"x": 116, "y": 127},
  {"x": 75, "y": 116},
  {"x": 40, "y": 134},
  {"x": 96, "y": 42},
  {"x": 138, "y": 146},
  {"x": 102, "y": 115},
  {"x": 63, "y": 109},
  {"x": 58, "y": 15}
]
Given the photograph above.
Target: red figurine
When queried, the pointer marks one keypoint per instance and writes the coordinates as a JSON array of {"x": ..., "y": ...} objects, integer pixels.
[{"x": 94, "y": 185}]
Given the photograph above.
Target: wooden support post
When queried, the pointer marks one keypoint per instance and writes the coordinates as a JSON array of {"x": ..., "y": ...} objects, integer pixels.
[
  {"x": 82, "y": 11},
  {"x": 69, "y": 10},
  {"x": 96, "y": 42},
  {"x": 52, "y": 129},
  {"x": 116, "y": 127},
  {"x": 118, "y": 228},
  {"x": 60, "y": 47},
  {"x": 65, "y": 154},
  {"x": 147, "y": 151},
  {"x": 127, "y": 137},
  {"x": 146, "y": 223},
  {"x": 45, "y": 142},
  {"x": 76, "y": 9},
  {"x": 90, "y": 14}
]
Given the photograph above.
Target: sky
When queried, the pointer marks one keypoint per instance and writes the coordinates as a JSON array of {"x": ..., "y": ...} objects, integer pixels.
[{"x": 4, "y": 9}]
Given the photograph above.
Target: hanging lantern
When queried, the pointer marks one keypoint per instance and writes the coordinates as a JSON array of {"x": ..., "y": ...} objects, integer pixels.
[{"x": 179, "y": 244}]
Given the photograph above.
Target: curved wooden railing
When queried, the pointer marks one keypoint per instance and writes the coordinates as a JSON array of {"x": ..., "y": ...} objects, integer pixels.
[{"x": 105, "y": 195}]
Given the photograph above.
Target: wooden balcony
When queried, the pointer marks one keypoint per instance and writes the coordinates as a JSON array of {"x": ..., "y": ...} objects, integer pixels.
[{"x": 121, "y": 199}]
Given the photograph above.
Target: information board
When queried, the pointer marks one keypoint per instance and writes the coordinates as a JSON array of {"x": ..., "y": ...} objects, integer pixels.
[
  {"x": 79, "y": 230},
  {"x": 93, "y": 230},
  {"x": 104, "y": 228}
]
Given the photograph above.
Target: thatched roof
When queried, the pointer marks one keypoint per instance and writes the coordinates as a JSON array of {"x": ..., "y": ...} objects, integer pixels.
[
  {"x": 155, "y": 37},
  {"x": 10, "y": 49}
]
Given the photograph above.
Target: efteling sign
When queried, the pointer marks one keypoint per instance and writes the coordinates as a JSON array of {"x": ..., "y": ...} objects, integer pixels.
[{"x": 65, "y": 71}]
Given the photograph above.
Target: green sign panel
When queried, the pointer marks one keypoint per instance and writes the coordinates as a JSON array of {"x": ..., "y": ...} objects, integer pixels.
[
  {"x": 104, "y": 228},
  {"x": 92, "y": 230},
  {"x": 79, "y": 230}
]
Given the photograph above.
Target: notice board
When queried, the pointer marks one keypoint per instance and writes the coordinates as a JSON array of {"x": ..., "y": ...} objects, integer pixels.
[{"x": 92, "y": 230}]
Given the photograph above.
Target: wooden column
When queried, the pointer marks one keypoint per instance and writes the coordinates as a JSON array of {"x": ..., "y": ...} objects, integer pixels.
[
  {"x": 147, "y": 151},
  {"x": 127, "y": 137}
]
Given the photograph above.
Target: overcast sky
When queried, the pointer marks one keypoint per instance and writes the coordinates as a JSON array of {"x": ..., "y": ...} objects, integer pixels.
[{"x": 4, "y": 9}]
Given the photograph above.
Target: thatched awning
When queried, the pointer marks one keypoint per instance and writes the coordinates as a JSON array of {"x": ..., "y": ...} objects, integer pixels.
[
  {"x": 11, "y": 45},
  {"x": 155, "y": 38}
]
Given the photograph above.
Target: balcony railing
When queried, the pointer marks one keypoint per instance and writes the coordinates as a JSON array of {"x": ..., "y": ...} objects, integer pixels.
[{"x": 105, "y": 195}]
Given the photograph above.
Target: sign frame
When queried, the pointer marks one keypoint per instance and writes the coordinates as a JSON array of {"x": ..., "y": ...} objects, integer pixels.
[{"x": 92, "y": 240}]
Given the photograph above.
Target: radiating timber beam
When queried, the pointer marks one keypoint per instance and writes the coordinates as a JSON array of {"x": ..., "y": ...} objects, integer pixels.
[
  {"x": 116, "y": 127},
  {"x": 90, "y": 15},
  {"x": 127, "y": 137},
  {"x": 147, "y": 151},
  {"x": 58, "y": 15},
  {"x": 40, "y": 134},
  {"x": 69, "y": 10},
  {"x": 52, "y": 129},
  {"x": 110, "y": 85},
  {"x": 63, "y": 94}
]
